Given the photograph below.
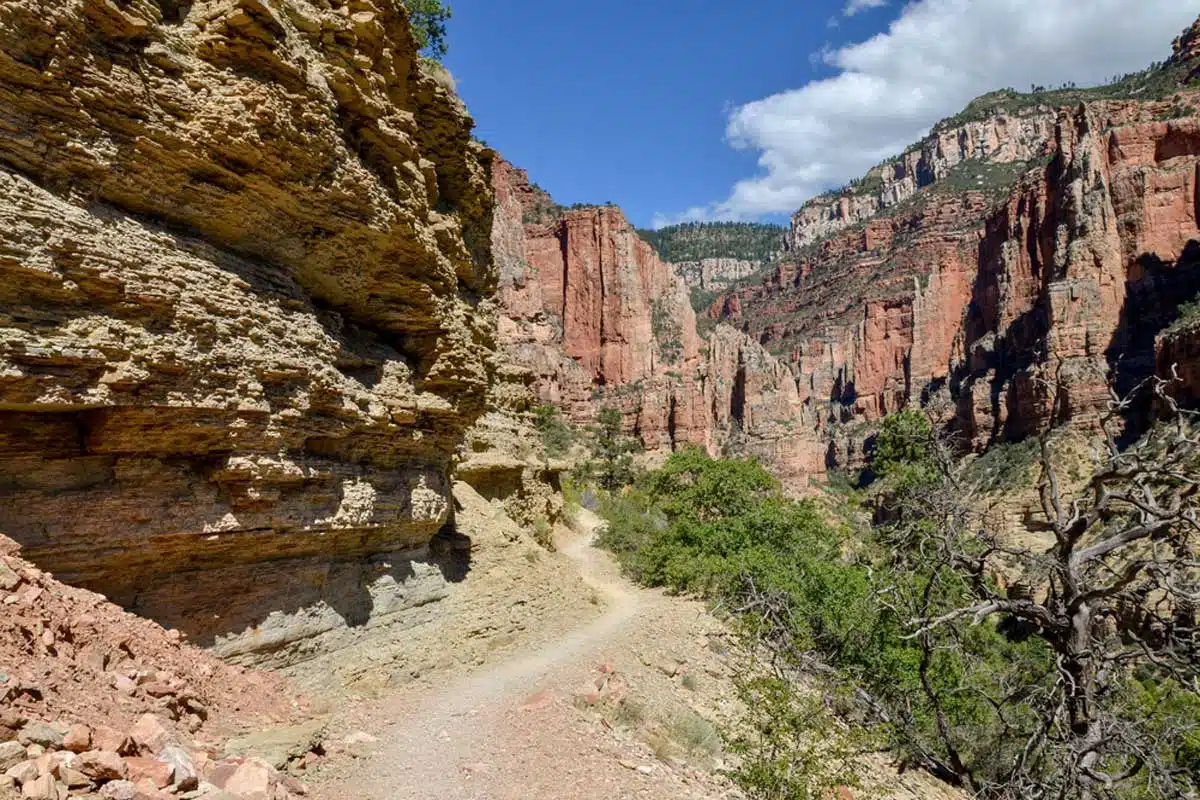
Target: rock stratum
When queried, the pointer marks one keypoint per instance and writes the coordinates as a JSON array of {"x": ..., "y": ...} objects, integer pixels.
[
  {"x": 1006, "y": 272},
  {"x": 598, "y": 319},
  {"x": 244, "y": 319}
]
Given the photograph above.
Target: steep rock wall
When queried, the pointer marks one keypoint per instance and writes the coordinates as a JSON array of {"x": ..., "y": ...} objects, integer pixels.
[
  {"x": 598, "y": 319},
  {"x": 1000, "y": 139},
  {"x": 242, "y": 252},
  {"x": 999, "y": 317}
]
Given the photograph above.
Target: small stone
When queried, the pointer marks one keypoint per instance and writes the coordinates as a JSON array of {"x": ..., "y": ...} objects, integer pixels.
[
  {"x": 78, "y": 739},
  {"x": 124, "y": 685},
  {"x": 11, "y": 754},
  {"x": 9, "y": 580},
  {"x": 43, "y": 788},
  {"x": 150, "y": 735},
  {"x": 152, "y": 770},
  {"x": 110, "y": 739},
  {"x": 119, "y": 790},
  {"x": 34, "y": 751},
  {"x": 74, "y": 779},
  {"x": 252, "y": 779},
  {"x": 23, "y": 772},
  {"x": 184, "y": 775},
  {"x": 101, "y": 765},
  {"x": 41, "y": 733}
]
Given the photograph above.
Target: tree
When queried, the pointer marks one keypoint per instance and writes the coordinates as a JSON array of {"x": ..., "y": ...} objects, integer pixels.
[
  {"x": 557, "y": 436},
  {"x": 1108, "y": 703},
  {"x": 904, "y": 449},
  {"x": 428, "y": 19},
  {"x": 614, "y": 452}
]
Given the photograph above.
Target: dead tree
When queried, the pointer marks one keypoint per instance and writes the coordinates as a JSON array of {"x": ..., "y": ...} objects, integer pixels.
[{"x": 1112, "y": 596}]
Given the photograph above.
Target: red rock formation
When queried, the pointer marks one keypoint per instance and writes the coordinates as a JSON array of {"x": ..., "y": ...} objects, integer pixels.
[
  {"x": 1008, "y": 310},
  {"x": 598, "y": 318}
]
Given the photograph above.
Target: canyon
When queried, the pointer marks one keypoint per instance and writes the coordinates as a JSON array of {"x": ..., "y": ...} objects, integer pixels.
[
  {"x": 274, "y": 325},
  {"x": 1046, "y": 253}
]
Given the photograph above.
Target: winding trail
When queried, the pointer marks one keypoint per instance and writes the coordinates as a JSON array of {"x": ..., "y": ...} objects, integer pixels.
[{"x": 473, "y": 740}]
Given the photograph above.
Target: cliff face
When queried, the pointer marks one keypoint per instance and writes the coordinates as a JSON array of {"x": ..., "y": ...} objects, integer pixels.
[
  {"x": 599, "y": 319},
  {"x": 715, "y": 274},
  {"x": 242, "y": 251},
  {"x": 1000, "y": 139},
  {"x": 1000, "y": 309}
]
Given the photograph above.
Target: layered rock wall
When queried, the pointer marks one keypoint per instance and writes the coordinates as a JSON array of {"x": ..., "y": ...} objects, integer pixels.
[
  {"x": 243, "y": 249},
  {"x": 999, "y": 139},
  {"x": 1000, "y": 318},
  {"x": 599, "y": 320}
]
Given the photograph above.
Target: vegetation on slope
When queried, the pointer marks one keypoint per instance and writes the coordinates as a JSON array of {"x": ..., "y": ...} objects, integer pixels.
[
  {"x": 694, "y": 241},
  {"x": 1008, "y": 671},
  {"x": 1154, "y": 83}
]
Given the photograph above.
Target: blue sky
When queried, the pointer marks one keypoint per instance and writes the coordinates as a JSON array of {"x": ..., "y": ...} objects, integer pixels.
[{"x": 684, "y": 110}]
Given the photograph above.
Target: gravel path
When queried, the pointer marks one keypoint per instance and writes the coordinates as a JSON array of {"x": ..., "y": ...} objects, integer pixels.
[{"x": 509, "y": 731}]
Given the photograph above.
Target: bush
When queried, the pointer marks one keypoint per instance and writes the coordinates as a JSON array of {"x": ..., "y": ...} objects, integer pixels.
[{"x": 557, "y": 436}]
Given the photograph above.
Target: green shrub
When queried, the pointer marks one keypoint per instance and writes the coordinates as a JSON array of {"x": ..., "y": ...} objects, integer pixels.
[{"x": 557, "y": 436}]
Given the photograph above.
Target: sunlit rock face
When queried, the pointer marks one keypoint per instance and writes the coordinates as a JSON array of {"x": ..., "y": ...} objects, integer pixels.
[{"x": 243, "y": 249}]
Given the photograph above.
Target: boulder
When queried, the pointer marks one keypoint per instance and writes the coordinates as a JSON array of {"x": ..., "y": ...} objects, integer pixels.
[
  {"x": 40, "y": 733},
  {"x": 184, "y": 775},
  {"x": 78, "y": 739},
  {"x": 43, "y": 788},
  {"x": 278, "y": 746},
  {"x": 253, "y": 779},
  {"x": 150, "y": 735},
  {"x": 23, "y": 772},
  {"x": 143, "y": 768},
  {"x": 101, "y": 765},
  {"x": 11, "y": 754}
]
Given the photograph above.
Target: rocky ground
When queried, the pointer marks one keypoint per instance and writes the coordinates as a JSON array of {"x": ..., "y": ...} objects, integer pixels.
[
  {"x": 552, "y": 677},
  {"x": 625, "y": 705}
]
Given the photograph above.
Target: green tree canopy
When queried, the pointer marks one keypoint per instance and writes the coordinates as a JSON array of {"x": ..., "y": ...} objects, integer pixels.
[{"x": 428, "y": 19}]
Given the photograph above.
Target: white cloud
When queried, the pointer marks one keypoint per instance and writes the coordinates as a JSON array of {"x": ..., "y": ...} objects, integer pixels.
[
  {"x": 858, "y": 6},
  {"x": 933, "y": 59}
]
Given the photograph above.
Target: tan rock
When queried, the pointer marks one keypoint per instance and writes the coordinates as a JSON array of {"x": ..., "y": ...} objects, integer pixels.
[
  {"x": 144, "y": 768},
  {"x": 11, "y": 754},
  {"x": 110, "y": 739},
  {"x": 40, "y": 733},
  {"x": 43, "y": 788},
  {"x": 23, "y": 772},
  {"x": 101, "y": 765},
  {"x": 150, "y": 734},
  {"x": 79, "y": 738},
  {"x": 305, "y": 359},
  {"x": 252, "y": 779}
]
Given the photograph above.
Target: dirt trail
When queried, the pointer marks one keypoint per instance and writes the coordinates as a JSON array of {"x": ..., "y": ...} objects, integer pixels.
[{"x": 502, "y": 732}]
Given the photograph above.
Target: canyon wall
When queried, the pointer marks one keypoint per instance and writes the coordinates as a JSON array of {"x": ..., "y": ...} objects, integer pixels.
[
  {"x": 600, "y": 320},
  {"x": 1013, "y": 138},
  {"x": 715, "y": 274},
  {"x": 245, "y": 256},
  {"x": 1001, "y": 308}
]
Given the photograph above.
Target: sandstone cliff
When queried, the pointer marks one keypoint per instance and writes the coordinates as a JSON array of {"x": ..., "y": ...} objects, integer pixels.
[
  {"x": 1002, "y": 295},
  {"x": 715, "y": 274},
  {"x": 1000, "y": 139},
  {"x": 599, "y": 319},
  {"x": 244, "y": 263}
]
